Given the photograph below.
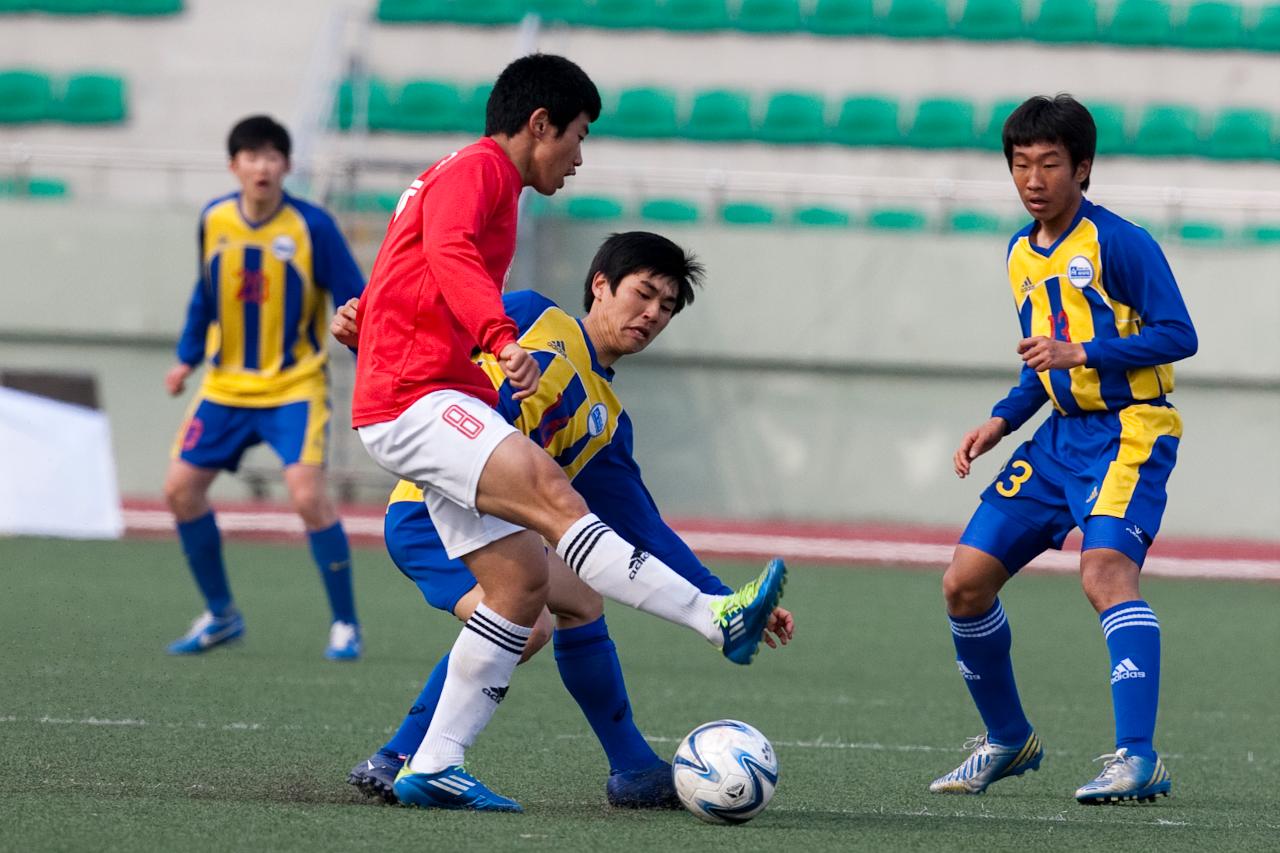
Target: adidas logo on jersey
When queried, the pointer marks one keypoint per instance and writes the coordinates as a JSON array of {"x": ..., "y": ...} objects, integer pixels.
[
  {"x": 637, "y": 560},
  {"x": 558, "y": 346},
  {"x": 497, "y": 694},
  {"x": 969, "y": 675},
  {"x": 1126, "y": 669}
]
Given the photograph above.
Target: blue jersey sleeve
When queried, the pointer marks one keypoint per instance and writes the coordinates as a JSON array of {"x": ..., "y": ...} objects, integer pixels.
[
  {"x": 191, "y": 344},
  {"x": 613, "y": 489},
  {"x": 1135, "y": 273},
  {"x": 1023, "y": 400},
  {"x": 334, "y": 267}
]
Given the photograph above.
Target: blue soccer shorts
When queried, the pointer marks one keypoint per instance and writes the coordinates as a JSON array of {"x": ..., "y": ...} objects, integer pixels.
[
  {"x": 1104, "y": 472},
  {"x": 216, "y": 435},
  {"x": 416, "y": 549}
]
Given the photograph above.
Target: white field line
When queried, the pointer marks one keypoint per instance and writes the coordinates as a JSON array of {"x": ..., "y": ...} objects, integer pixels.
[{"x": 764, "y": 545}]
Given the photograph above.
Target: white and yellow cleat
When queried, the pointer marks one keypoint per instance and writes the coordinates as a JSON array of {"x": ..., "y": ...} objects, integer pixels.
[
  {"x": 1126, "y": 777},
  {"x": 989, "y": 762}
]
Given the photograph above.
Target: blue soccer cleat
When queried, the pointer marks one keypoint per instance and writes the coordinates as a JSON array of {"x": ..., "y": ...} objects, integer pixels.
[
  {"x": 743, "y": 615},
  {"x": 650, "y": 788},
  {"x": 452, "y": 788},
  {"x": 209, "y": 631},
  {"x": 1126, "y": 777},
  {"x": 987, "y": 763},
  {"x": 376, "y": 777},
  {"x": 344, "y": 642}
]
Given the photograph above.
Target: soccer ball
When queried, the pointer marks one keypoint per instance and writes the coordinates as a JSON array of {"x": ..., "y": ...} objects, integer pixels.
[{"x": 725, "y": 772}]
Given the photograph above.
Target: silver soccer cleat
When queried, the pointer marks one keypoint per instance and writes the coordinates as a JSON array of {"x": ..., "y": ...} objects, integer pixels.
[
  {"x": 1126, "y": 777},
  {"x": 989, "y": 762}
]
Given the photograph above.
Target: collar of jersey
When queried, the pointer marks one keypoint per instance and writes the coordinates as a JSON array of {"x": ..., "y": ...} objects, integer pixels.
[
  {"x": 1084, "y": 203},
  {"x": 284, "y": 199},
  {"x": 606, "y": 372}
]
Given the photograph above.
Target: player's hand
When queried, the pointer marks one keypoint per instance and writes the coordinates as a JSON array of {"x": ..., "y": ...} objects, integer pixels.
[
  {"x": 175, "y": 381},
  {"x": 780, "y": 625},
  {"x": 977, "y": 442},
  {"x": 1041, "y": 354},
  {"x": 521, "y": 369},
  {"x": 343, "y": 326}
]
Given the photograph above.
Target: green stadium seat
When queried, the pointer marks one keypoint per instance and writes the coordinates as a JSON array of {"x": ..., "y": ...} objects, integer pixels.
[
  {"x": 719, "y": 116},
  {"x": 1066, "y": 21},
  {"x": 25, "y": 96},
  {"x": 670, "y": 210},
  {"x": 991, "y": 20},
  {"x": 1212, "y": 25},
  {"x": 593, "y": 208},
  {"x": 942, "y": 123},
  {"x": 974, "y": 222},
  {"x": 471, "y": 112},
  {"x": 622, "y": 14},
  {"x": 694, "y": 15},
  {"x": 768, "y": 16},
  {"x": 820, "y": 217},
  {"x": 644, "y": 113},
  {"x": 93, "y": 99},
  {"x": 914, "y": 19},
  {"x": 1167, "y": 130},
  {"x": 793, "y": 118},
  {"x": 366, "y": 201},
  {"x": 843, "y": 18},
  {"x": 1201, "y": 232},
  {"x": 897, "y": 219},
  {"x": 993, "y": 136},
  {"x": 1140, "y": 22},
  {"x": 46, "y": 188},
  {"x": 868, "y": 120},
  {"x": 559, "y": 11},
  {"x": 68, "y": 7},
  {"x": 1267, "y": 233},
  {"x": 487, "y": 13},
  {"x": 428, "y": 106},
  {"x": 380, "y": 106},
  {"x": 144, "y": 8},
  {"x": 1265, "y": 34},
  {"x": 10, "y": 7},
  {"x": 746, "y": 213},
  {"x": 412, "y": 11},
  {"x": 1240, "y": 134},
  {"x": 1110, "y": 121}
]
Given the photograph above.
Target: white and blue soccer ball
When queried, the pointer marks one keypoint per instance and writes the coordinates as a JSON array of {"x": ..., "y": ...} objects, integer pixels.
[{"x": 725, "y": 772}]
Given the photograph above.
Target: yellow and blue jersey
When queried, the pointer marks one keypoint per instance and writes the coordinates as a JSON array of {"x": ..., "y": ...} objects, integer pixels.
[
  {"x": 258, "y": 313},
  {"x": 1104, "y": 284},
  {"x": 576, "y": 416}
]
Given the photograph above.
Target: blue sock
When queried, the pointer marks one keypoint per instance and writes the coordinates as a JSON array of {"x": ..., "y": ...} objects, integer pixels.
[
  {"x": 408, "y": 737},
  {"x": 982, "y": 651},
  {"x": 588, "y": 664},
  {"x": 202, "y": 544},
  {"x": 333, "y": 557},
  {"x": 1133, "y": 639}
]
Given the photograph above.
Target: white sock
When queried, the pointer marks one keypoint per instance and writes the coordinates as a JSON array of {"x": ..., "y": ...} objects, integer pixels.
[
  {"x": 615, "y": 569},
  {"x": 480, "y": 667}
]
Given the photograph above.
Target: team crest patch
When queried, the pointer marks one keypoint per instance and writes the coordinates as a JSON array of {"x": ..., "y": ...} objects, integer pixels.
[
  {"x": 1080, "y": 272},
  {"x": 283, "y": 248},
  {"x": 597, "y": 419}
]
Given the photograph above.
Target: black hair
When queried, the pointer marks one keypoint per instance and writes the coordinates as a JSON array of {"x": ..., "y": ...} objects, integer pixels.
[
  {"x": 642, "y": 251},
  {"x": 1060, "y": 119},
  {"x": 536, "y": 81},
  {"x": 256, "y": 132}
]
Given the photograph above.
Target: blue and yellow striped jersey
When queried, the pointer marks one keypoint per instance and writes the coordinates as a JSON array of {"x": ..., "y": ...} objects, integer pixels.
[
  {"x": 578, "y": 419},
  {"x": 1104, "y": 284},
  {"x": 258, "y": 314}
]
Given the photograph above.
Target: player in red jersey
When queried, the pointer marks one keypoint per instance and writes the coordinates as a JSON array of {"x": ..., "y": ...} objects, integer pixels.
[{"x": 424, "y": 412}]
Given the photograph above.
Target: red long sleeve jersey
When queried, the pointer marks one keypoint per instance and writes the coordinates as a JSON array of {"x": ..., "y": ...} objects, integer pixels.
[{"x": 436, "y": 289}]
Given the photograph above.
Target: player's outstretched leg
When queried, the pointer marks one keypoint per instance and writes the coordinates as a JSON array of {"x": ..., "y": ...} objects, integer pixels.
[
  {"x": 451, "y": 788},
  {"x": 1126, "y": 777},
  {"x": 743, "y": 615},
  {"x": 989, "y": 762}
]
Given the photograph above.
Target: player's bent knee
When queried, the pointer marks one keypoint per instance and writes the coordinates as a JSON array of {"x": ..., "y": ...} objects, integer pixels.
[
  {"x": 540, "y": 637},
  {"x": 964, "y": 595}
]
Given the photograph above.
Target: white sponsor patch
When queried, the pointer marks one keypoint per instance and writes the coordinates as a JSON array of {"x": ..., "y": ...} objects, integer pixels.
[
  {"x": 283, "y": 248},
  {"x": 1080, "y": 272}
]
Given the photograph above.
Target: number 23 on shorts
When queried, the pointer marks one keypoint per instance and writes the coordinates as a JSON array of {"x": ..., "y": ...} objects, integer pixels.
[{"x": 1019, "y": 472}]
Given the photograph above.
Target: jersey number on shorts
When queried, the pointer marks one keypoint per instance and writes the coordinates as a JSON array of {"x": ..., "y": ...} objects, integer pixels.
[
  {"x": 458, "y": 418},
  {"x": 1020, "y": 472}
]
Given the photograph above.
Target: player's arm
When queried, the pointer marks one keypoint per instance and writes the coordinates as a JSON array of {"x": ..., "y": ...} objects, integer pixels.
[
  {"x": 614, "y": 490},
  {"x": 1136, "y": 273},
  {"x": 1017, "y": 407},
  {"x": 335, "y": 267},
  {"x": 458, "y": 208},
  {"x": 200, "y": 313},
  {"x": 345, "y": 325}
]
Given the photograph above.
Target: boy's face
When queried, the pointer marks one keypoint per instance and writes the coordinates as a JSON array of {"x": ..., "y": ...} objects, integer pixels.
[
  {"x": 260, "y": 172},
  {"x": 1046, "y": 181},
  {"x": 556, "y": 157},
  {"x": 636, "y": 312}
]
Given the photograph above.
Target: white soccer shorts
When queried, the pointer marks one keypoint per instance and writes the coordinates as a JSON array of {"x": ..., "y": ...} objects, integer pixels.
[{"x": 441, "y": 443}]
